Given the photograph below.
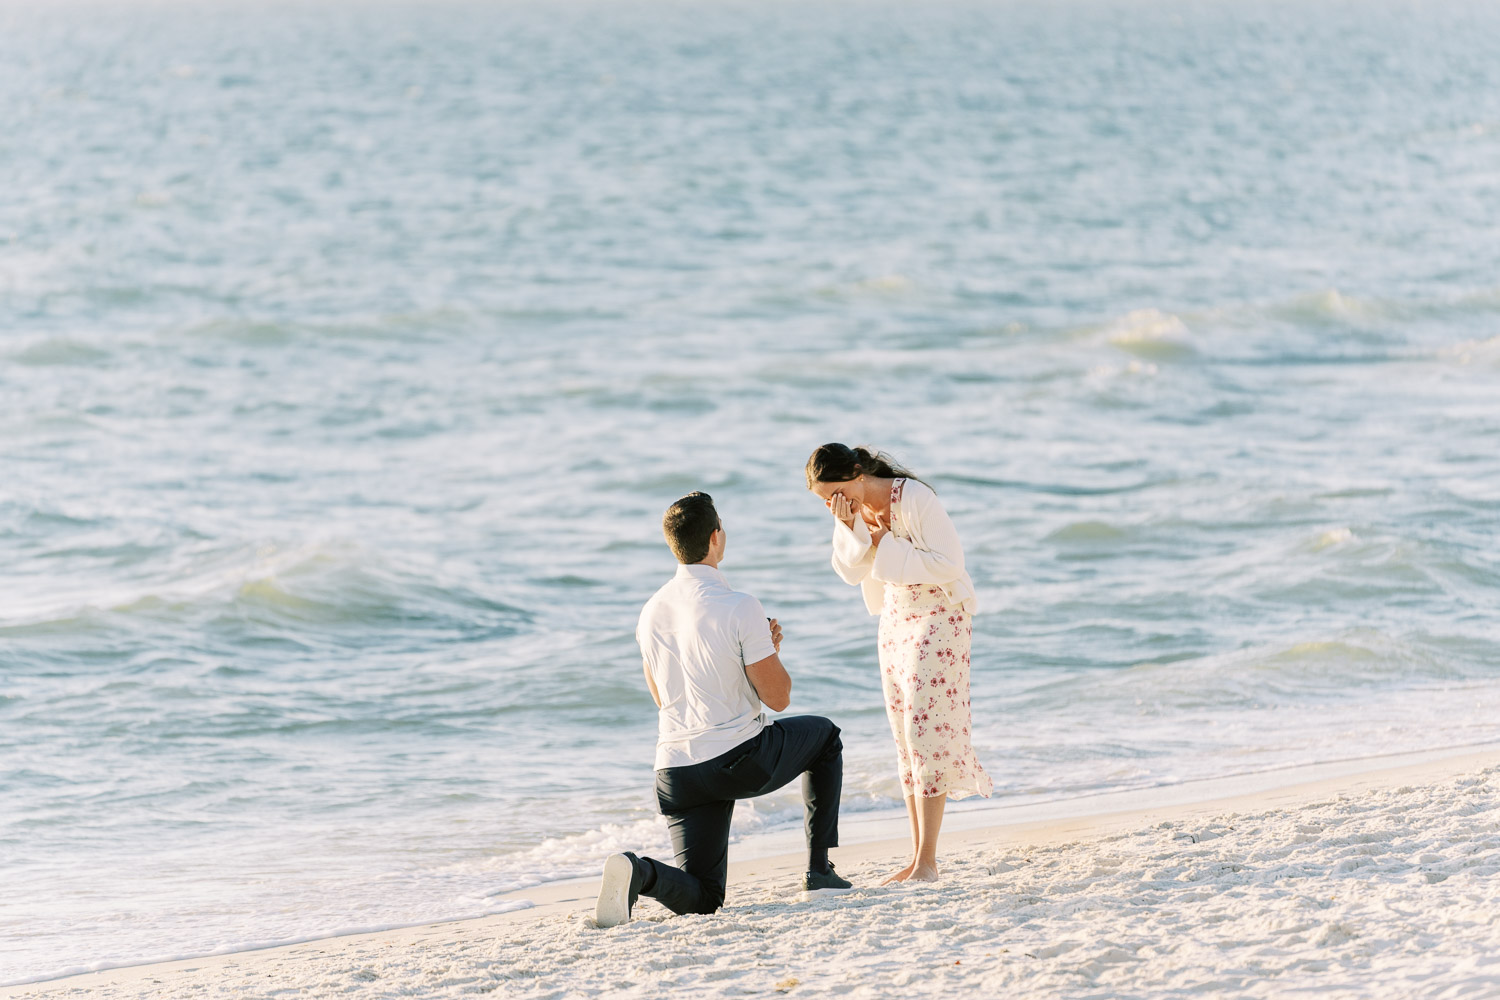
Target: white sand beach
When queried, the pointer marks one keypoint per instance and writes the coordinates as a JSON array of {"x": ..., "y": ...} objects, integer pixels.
[
  {"x": 1373, "y": 884},
  {"x": 352, "y": 352}
]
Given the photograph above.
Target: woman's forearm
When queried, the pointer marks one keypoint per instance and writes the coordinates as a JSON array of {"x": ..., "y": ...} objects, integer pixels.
[
  {"x": 898, "y": 561},
  {"x": 939, "y": 559},
  {"x": 853, "y": 557}
]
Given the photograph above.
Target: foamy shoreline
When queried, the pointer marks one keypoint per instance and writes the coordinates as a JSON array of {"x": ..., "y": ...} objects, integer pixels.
[{"x": 1376, "y": 883}]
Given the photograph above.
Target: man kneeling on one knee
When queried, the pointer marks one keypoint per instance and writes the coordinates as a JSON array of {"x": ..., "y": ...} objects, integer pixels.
[{"x": 712, "y": 659}]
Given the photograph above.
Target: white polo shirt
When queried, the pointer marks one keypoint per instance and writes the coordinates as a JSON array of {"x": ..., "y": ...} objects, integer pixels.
[{"x": 697, "y": 635}]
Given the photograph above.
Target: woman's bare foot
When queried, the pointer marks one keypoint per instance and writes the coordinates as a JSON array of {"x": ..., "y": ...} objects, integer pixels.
[
  {"x": 900, "y": 876},
  {"x": 922, "y": 873}
]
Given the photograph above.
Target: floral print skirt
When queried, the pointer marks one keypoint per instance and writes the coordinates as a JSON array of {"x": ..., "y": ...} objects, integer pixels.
[{"x": 924, "y": 671}]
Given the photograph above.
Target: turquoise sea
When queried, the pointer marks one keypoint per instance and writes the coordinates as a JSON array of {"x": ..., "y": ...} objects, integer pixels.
[{"x": 350, "y": 351}]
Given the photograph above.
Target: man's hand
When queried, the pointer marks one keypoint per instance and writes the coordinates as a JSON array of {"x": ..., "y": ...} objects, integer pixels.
[{"x": 775, "y": 634}]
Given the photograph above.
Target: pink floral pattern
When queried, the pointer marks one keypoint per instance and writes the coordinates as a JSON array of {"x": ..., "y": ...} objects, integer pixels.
[{"x": 924, "y": 672}]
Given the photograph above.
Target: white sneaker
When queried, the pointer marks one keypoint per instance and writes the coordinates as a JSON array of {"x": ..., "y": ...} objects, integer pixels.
[{"x": 616, "y": 895}]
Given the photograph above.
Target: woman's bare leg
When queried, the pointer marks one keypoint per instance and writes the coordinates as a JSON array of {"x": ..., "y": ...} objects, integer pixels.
[
  {"x": 911, "y": 814},
  {"x": 929, "y": 822}
]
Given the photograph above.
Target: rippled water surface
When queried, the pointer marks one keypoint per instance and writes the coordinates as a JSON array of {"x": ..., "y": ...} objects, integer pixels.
[{"x": 349, "y": 353}]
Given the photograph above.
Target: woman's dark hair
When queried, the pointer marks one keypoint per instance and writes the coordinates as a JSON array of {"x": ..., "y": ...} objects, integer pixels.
[
  {"x": 689, "y": 524},
  {"x": 839, "y": 463}
]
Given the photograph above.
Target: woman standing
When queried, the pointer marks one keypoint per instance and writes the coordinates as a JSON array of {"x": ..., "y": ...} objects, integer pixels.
[{"x": 893, "y": 538}]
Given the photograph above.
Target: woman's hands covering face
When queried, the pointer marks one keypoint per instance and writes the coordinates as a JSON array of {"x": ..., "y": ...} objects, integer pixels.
[{"x": 841, "y": 508}]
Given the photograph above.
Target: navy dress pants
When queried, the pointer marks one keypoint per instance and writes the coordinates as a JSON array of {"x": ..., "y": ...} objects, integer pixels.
[{"x": 698, "y": 801}]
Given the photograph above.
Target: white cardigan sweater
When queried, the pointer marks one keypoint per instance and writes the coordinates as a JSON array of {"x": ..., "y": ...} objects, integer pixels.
[{"x": 933, "y": 554}]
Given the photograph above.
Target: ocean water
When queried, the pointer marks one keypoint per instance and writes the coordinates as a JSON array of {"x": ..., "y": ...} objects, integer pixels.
[{"x": 350, "y": 351}]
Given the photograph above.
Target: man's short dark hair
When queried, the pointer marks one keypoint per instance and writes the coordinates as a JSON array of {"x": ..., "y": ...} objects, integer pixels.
[{"x": 689, "y": 524}]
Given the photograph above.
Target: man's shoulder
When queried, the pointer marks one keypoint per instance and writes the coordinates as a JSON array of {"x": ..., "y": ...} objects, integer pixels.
[
  {"x": 717, "y": 594},
  {"x": 656, "y": 601},
  {"x": 676, "y": 590},
  {"x": 743, "y": 605}
]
